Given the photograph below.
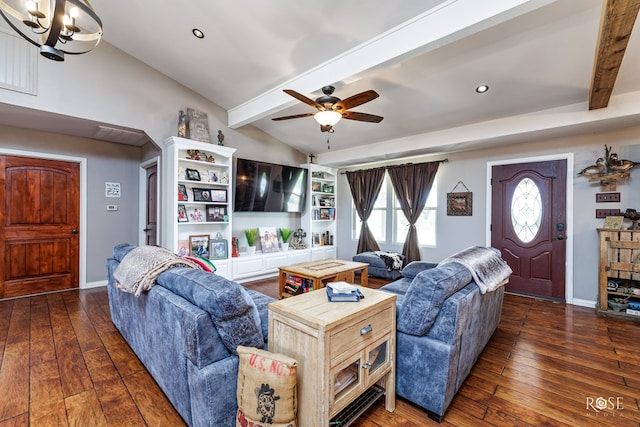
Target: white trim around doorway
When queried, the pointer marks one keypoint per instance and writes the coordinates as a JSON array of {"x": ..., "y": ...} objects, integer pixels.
[
  {"x": 569, "y": 233},
  {"x": 142, "y": 202}
]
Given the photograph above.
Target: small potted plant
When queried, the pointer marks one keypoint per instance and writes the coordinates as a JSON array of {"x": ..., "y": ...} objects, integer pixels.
[
  {"x": 286, "y": 234},
  {"x": 251, "y": 234}
]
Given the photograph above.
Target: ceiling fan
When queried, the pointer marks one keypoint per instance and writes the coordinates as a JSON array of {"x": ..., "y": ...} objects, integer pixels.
[{"x": 332, "y": 109}]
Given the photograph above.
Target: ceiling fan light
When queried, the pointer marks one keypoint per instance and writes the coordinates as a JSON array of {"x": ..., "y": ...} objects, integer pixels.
[{"x": 328, "y": 117}]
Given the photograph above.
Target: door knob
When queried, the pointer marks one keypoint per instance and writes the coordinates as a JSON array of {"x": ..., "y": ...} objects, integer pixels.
[
  {"x": 74, "y": 231},
  {"x": 560, "y": 237}
]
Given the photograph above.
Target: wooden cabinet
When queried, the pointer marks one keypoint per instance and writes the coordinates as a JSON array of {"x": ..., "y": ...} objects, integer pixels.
[
  {"x": 197, "y": 182},
  {"x": 319, "y": 217},
  {"x": 344, "y": 351},
  {"x": 619, "y": 273}
]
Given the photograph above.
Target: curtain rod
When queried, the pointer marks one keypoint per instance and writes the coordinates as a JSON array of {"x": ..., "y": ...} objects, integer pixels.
[{"x": 393, "y": 166}]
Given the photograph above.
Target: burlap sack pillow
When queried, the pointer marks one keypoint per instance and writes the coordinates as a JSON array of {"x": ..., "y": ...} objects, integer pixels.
[{"x": 266, "y": 389}]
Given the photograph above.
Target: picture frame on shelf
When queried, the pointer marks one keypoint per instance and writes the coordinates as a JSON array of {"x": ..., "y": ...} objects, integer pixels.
[
  {"x": 192, "y": 174},
  {"x": 216, "y": 213},
  {"x": 613, "y": 222},
  {"x": 183, "y": 196},
  {"x": 219, "y": 248},
  {"x": 183, "y": 248},
  {"x": 195, "y": 214},
  {"x": 214, "y": 175},
  {"x": 316, "y": 186},
  {"x": 182, "y": 214},
  {"x": 224, "y": 177},
  {"x": 199, "y": 245},
  {"x": 219, "y": 195},
  {"x": 198, "y": 125},
  {"x": 327, "y": 188},
  {"x": 202, "y": 195},
  {"x": 269, "y": 239}
]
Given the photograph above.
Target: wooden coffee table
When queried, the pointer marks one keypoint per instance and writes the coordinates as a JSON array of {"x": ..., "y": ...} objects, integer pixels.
[{"x": 323, "y": 271}]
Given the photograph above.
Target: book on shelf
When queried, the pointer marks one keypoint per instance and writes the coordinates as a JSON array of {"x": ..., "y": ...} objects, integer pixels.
[{"x": 343, "y": 292}]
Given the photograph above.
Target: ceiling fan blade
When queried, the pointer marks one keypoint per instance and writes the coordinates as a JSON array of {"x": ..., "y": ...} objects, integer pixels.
[
  {"x": 301, "y": 97},
  {"x": 355, "y": 100},
  {"x": 297, "y": 116},
  {"x": 362, "y": 117}
]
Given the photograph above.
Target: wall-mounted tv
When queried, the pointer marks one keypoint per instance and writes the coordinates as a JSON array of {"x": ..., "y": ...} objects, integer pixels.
[{"x": 269, "y": 187}]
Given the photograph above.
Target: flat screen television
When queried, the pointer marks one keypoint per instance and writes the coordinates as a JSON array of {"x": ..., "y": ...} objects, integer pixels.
[{"x": 269, "y": 187}]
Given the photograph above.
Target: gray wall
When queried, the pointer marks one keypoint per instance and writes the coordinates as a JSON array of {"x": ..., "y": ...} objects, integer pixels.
[
  {"x": 106, "y": 162},
  {"x": 455, "y": 232},
  {"x": 111, "y": 87}
]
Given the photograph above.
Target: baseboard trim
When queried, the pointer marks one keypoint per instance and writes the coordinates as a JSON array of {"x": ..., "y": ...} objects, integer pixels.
[
  {"x": 584, "y": 303},
  {"x": 98, "y": 284}
]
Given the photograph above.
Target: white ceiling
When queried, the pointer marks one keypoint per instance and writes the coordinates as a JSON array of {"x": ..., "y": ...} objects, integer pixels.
[{"x": 424, "y": 58}]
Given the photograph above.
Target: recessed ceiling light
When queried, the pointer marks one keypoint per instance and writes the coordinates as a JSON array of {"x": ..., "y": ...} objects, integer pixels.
[
  {"x": 482, "y": 88},
  {"x": 199, "y": 34}
]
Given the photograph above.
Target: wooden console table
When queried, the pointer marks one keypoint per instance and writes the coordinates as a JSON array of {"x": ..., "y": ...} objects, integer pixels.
[
  {"x": 345, "y": 352},
  {"x": 323, "y": 271}
]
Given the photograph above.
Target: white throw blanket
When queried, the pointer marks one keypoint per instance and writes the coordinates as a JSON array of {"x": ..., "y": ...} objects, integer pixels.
[
  {"x": 139, "y": 269},
  {"x": 487, "y": 268},
  {"x": 392, "y": 260}
]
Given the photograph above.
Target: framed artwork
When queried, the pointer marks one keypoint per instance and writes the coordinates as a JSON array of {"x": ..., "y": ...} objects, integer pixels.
[
  {"x": 201, "y": 195},
  {"x": 224, "y": 177},
  {"x": 219, "y": 196},
  {"x": 327, "y": 188},
  {"x": 183, "y": 247},
  {"x": 182, "y": 193},
  {"x": 316, "y": 186},
  {"x": 216, "y": 213},
  {"x": 219, "y": 249},
  {"x": 214, "y": 176},
  {"x": 269, "y": 239},
  {"x": 459, "y": 204},
  {"x": 199, "y": 245},
  {"x": 182, "y": 214},
  {"x": 613, "y": 222},
  {"x": 192, "y": 174},
  {"x": 195, "y": 215},
  {"x": 198, "y": 125}
]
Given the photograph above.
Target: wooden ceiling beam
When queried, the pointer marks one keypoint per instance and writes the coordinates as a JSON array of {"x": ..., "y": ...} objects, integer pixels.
[{"x": 616, "y": 23}]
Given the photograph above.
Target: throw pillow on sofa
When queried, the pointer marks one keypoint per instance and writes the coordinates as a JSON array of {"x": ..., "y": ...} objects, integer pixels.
[
  {"x": 266, "y": 390},
  {"x": 426, "y": 294}
]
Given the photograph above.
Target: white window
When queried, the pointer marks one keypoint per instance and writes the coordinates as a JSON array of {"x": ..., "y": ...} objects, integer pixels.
[{"x": 387, "y": 215}]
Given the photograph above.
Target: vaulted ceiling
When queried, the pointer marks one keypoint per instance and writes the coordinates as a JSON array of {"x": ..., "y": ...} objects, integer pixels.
[{"x": 424, "y": 58}]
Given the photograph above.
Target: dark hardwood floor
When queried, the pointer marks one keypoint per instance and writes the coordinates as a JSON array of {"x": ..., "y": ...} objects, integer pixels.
[{"x": 62, "y": 362}]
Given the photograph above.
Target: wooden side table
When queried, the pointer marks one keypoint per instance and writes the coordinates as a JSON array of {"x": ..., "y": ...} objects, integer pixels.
[
  {"x": 322, "y": 271},
  {"x": 343, "y": 349}
]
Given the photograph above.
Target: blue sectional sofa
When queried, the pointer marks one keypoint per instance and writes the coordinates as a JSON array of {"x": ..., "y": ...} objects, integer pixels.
[
  {"x": 185, "y": 330},
  {"x": 443, "y": 324}
]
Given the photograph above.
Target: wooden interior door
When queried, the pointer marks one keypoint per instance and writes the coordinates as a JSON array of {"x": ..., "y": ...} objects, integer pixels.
[
  {"x": 528, "y": 225},
  {"x": 151, "y": 227},
  {"x": 39, "y": 240}
]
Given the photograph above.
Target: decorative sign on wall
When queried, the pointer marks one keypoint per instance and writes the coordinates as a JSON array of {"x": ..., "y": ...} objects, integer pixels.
[
  {"x": 460, "y": 203},
  {"x": 112, "y": 189}
]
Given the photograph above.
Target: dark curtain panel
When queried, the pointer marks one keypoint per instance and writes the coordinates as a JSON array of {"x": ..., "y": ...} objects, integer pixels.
[
  {"x": 412, "y": 184},
  {"x": 365, "y": 187}
]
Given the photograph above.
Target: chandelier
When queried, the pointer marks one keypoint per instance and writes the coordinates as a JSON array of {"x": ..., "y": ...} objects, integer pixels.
[{"x": 56, "y": 26}]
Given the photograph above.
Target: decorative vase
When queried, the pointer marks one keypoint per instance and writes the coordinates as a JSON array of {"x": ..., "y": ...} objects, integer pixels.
[
  {"x": 251, "y": 250},
  {"x": 285, "y": 246}
]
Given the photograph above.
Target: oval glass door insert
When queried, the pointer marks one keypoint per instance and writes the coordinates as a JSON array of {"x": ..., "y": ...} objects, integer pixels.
[{"x": 526, "y": 210}]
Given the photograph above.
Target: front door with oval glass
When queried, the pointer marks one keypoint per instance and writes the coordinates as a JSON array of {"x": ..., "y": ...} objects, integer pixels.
[{"x": 528, "y": 217}]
